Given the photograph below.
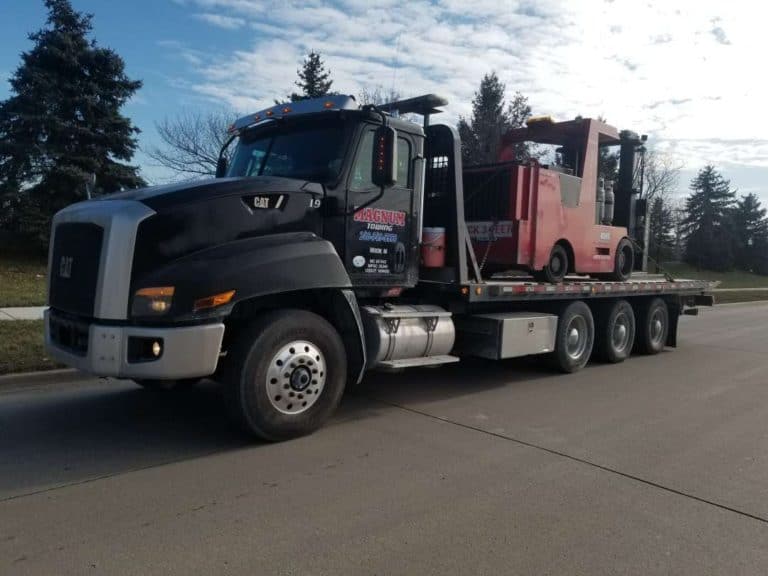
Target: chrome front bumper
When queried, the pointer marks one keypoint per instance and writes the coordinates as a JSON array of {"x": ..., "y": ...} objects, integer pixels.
[{"x": 187, "y": 352}]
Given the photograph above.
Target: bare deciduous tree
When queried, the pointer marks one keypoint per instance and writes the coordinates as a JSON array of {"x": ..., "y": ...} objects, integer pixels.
[
  {"x": 661, "y": 174},
  {"x": 378, "y": 95},
  {"x": 191, "y": 142}
]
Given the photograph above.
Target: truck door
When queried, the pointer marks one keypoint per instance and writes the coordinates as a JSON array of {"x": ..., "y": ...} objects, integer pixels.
[{"x": 380, "y": 233}]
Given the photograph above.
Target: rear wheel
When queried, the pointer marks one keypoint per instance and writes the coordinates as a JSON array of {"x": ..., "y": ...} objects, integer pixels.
[
  {"x": 653, "y": 327},
  {"x": 286, "y": 374},
  {"x": 615, "y": 331},
  {"x": 556, "y": 268},
  {"x": 575, "y": 337}
]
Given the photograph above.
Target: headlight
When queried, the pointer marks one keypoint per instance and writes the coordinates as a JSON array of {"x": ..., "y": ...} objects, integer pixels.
[{"x": 154, "y": 301}]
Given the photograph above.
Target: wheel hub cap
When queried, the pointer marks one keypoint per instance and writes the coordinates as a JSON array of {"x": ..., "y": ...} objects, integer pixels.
[
  {"x": 620, "y": 333},
  {"x": 300, "y": 378},
  {"x": 296, "y": 377},
  {"x": 576, "y": 342},
  {"x": 656, "y": 328}
]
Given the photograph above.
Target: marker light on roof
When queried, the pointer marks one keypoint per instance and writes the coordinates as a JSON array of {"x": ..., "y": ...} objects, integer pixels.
[
  {"x": 232, "y": 128},
  {"x": 328, "y": 104},
  {"x": 257, "y": 117},
  {"x": 286, "y": 109},
  {"x": 269, "y": 113}
]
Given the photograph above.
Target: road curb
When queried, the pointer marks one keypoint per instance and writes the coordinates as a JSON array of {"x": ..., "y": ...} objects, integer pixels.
[
  {"x": 41, "y": 378},
  {"x": 747, "y": 303}
]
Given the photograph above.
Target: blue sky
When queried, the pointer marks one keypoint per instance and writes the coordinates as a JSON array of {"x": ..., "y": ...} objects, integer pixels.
[{"x": 684, "y": 72}]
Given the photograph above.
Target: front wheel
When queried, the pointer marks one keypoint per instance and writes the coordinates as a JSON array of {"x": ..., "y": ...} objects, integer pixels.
[{"x": 286, "y": 374}]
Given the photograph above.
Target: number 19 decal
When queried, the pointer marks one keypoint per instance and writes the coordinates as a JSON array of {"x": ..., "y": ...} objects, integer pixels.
[{"x": 314, "y": 202}]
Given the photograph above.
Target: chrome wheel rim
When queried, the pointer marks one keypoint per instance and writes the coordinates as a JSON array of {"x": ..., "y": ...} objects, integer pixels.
[
  {"x": 576, "y": 337},
  {"x": 296, "y": 377},
  {"x": 657, "y": 326},
  {"x": 620, "y": 333}
]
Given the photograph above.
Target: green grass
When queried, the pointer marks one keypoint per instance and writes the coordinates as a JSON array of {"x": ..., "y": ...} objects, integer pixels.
[
  {"x": 22, "y": 280},
  {"x": 733, "y": 279},
  {"x": 747, "y": 296},
  {"x": 21, "y": 347}
]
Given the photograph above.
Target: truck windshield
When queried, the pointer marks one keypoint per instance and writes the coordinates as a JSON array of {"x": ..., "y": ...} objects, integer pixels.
[{"x": 308, "y": 151}]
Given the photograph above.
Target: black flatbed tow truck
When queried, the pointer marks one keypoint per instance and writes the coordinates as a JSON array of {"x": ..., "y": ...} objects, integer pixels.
[{"x": 298, "y": 270}]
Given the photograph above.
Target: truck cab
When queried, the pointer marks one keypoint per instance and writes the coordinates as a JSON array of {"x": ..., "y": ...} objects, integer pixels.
[{"x": 375, "y": 233}]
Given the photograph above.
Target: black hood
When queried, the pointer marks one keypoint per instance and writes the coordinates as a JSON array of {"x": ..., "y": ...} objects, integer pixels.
[
  {"x": 160, "y": 197},
  {"x": 195, "y": 216}
]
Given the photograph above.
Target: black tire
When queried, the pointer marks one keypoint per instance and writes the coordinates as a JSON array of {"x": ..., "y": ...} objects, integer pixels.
[
  {"x": 572, "y": 354},
  {"x": 615, "y": 331},
  {"x": 652, "y": 327},
  {"x": 167, "y": 385},
  {"x": 623, "y": 262},
  {"x": 277, "y": 405},
  {"x": 556, "y": 268}
]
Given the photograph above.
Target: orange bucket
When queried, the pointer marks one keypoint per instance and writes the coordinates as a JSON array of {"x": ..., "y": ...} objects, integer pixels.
[{"x": 433, "y": 247}]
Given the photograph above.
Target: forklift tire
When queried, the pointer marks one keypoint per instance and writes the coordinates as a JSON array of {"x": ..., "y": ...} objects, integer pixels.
[
  {"x": 162, "y": 386},
  {"x": 615, "y": 331},
  {"x": 557, "y": 266},
  {"x": 574, "y": 338},
  {"x": 653, "y": 327},
  {"x": 286, "y": 374},
  {"x": 623, "y": 263}
]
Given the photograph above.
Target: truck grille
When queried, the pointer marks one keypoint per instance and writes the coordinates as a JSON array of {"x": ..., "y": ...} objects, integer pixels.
[
  {"x": 69, "y": 334},
  {"x": 74, "y": 269}
]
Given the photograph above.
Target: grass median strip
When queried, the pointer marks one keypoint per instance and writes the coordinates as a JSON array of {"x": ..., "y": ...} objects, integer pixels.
[
  {"x": 740, "y": 296},
  {"x": 22, "y": 281},
  {"x": 21, "y": 347},
  {"x": 731, "y": 279}
]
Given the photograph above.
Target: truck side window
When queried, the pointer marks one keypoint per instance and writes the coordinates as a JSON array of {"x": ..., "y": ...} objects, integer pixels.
[{"x": 361, "y": 169}]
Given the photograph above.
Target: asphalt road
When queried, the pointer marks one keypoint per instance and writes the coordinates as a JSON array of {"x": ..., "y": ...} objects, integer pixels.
[{"x": 656, "y": 466}]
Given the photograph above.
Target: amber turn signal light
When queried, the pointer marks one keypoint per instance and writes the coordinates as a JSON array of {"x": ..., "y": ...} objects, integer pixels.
[{"x": 213, "y": 301}]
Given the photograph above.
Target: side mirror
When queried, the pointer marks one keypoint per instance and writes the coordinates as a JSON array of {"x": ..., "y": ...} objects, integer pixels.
[
  {"x": 384, "y": 165},
  {"x": 221, "y": 167}
]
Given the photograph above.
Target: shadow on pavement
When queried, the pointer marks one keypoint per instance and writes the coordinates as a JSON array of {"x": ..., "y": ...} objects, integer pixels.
[{"x": 65, "y": 435}]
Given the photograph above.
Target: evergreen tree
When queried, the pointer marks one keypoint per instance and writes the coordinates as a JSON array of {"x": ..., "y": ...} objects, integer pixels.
[
  {"x": 708, "y": 223},
  {"x": 518, "y": 113},
  {"x": 481, "y": 134},
  {"x": 62, "y": 123},
  {"x": 608, "y": 163},
  {"x": 662, "y": 235},
  {"x": 314, "y": 80},
  {"x": 751, "y": 230}
]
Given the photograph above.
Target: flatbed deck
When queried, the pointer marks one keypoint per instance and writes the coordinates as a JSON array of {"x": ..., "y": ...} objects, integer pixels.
[{"x": 522, "y": 288}]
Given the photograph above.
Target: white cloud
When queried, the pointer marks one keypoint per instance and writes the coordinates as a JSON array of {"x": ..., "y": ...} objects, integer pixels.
[
  {"x": 226, "y": 22},
  {"x": 684, "y": 72}
]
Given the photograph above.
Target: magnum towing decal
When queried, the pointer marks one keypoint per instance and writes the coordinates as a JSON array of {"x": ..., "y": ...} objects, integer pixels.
[
  {"x": 378, "y": 241},
  {"x": 381, "y": 216}
]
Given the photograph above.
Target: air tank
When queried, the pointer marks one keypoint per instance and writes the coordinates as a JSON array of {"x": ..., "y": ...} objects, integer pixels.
[{"x": 609, "y": 202}]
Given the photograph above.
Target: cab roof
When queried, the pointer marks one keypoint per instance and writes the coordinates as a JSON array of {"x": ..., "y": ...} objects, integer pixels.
[{"x": 425, "y": 105}]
